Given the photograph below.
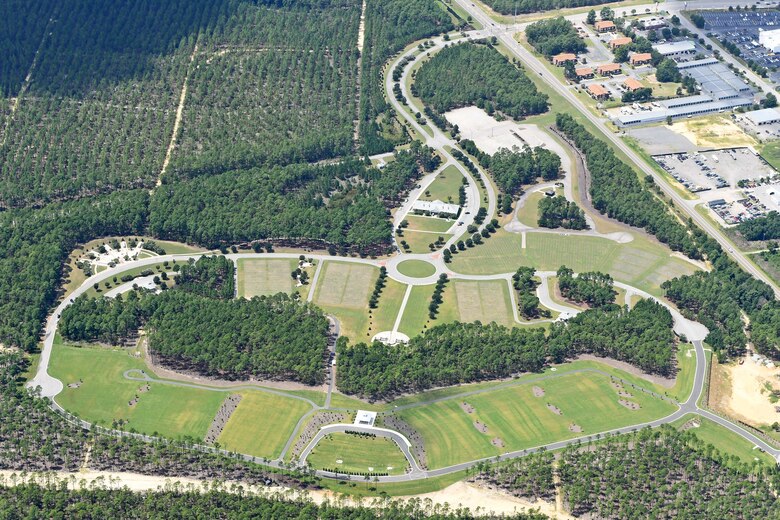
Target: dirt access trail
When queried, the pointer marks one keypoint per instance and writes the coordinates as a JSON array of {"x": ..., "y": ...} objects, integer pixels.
[
  {"x": 179, "y": 114},
  {"x": 360, "y": 42}
]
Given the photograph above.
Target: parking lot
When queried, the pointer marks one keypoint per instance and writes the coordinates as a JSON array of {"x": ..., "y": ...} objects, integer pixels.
[
  {"x": 736, "y": 183},
  {"x": 742, "y": 28}
]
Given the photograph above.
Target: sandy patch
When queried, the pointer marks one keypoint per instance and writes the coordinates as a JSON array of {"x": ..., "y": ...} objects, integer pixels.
[
  {"x": 713, "y": 132},
  {"x": 74, "y": 385},
  {"x": 538, "y": 391},
  {"x": 629, "y": 404},
  {"x": 481, "y": 427},
  {"x": 498, "y": 442},
  {"x": 575, "y": 428},
  {"x": 554, "y": 409},
  {"x": 748, "y": 398},
  {"x": 491, "y": 135},
  {"x": 143, "y": 389},
  {"x": 466, "y": 407},
  {"x": 623, "y": 393}
]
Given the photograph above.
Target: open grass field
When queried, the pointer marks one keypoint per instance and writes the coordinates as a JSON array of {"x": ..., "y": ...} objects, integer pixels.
[
  {"x": 104, "y": 394},
  {"x": 770, "y": 151},
  {"x": 415, "y": 318},
  {"x": 265, "y": 276},
  {"x": 261, "y": 424},
  {"x": 416, "y": 268},
  {"x": 419, "y": 240},
  {"x": 433, "y": 224},
  {"x": 484, "y": 301},
  {"x": 445, "y": 187},
  {"x": 660, "y": 90},
  {"x": 383, "y": 317},
  {"x": 349, "y": 453},
  {"x": 514, "y": 418},
  {"x": 640, "y": 263},
  {"x": 726, "y": 441},
  {"x": 529, "y": 213},
  {"x": 343, "y": 290}
]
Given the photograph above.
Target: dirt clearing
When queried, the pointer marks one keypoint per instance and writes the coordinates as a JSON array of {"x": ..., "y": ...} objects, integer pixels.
[{"x": 744, "y": 390}]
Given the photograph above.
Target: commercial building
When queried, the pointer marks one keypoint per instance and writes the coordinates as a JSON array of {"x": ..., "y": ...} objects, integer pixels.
[
  {"x": 766, "y": 116},
  {"x": 605, "y": 26},
  {"x": 609, "y": 69},
  {"x": 770, "y": 39},
  {"x": 563, "y": 58},
  {"x": 681, "y": 107},
  {"x": 435, "y": 207},
  {"x": 716, "y": 79},
  {"x": 584, "y": 72},
  {"x": 598, "y": 91},
  {"x": 640, "y": 58},
  {"x": 632, "y": 84},
  {"x": 614, "y": 43},
  {"x": 675, "y": 49},
  {"x": 651, "y": 24}
]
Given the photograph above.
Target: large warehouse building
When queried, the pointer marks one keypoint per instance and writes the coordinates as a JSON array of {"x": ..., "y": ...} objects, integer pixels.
[{"x": 770, "y": 39}]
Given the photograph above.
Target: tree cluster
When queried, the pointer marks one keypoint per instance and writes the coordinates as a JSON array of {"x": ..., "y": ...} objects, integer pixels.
[
  {"x": 525, "y": 286},
  {"x": 379, "y": 285},
  {"x": 473, "y": 74},
  {"x": 436, "y": 298},
  {"x": 210, "y": 276},
  {"x": 554, "y": 36},
  {"x": 273, "y": 337},
  {"x": 557, "y": 212},
  {"x": 511, "y": 169},
  {"x": 509, "y": 7},
  {"x": 593, "y": 288},
  {"x": 761, "y": 228},
  {"x": 467, "y": 352},
  {"x": 617, "y": 191}
]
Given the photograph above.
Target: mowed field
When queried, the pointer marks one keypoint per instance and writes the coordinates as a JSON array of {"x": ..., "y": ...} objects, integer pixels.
[
  {"x": 262, "y": 423},
  {"x": 419, "y": 241},
  {"x": 265, "y": 276},
  {"x": 484, "y": 301},
  {"x": 104, "y": 395},
  {"x": 343, "y": 290},
  {"x": 514, "y": 418},
  {"x": 356, "y": 454},
  {"x": 445, "y": 187},
  {"x": 434, "y": 224},
  {"x": 640, "y": 263}
]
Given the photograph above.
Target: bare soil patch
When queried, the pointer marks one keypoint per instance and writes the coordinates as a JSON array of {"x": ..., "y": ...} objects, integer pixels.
[
  {"x": 743, "y": 391},
  {"x": 554, "y": 409},
  {"x": 631, "y": 369},
  {"x": 625, "y": 394},
  {"x": 481, "y": 427},
  {"x": 538, "y": 391},
  {"x": 466, "y": 407},
  {"x": 74, "y": 385},
  {"x": 497, "y": 442},
  {"x": 143, "y": 389},
  {"x": 629, "y": 404},
  {"x": 576, "y": 428}
]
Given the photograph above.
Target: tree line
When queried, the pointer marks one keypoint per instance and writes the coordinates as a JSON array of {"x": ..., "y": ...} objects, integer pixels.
[
  {"x": 458, "y": 353},
  {"x": 531, "y": 6}
]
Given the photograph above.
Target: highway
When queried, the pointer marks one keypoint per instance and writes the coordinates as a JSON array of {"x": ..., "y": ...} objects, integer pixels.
[{"x": 534, "y": 65}]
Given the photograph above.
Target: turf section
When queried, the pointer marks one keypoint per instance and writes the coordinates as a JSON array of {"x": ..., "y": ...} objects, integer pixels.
[
  {"x": 343, "y": 290},
  {"x": 419, "y": 240},
  {"x": 262, "y": 423},
  {"x": 358, "y": 455},
  {"x": 416, "y": 268},
  {"x": 415, "y": 318},
  {"x": 264, "y": 277},
  {"x": 445, "y": 187},
  {"x": 529, "y": 212},
  {"x": 640, "y": 263},
  {"x": 383, "y": 317},
  {"x": 104, "y": 394},
  {"x": 434, "y": 224},
  {"x": 483, "y": 301},
  {"x": 726, "y": 441},
  {"x": 521, "y": 420}
]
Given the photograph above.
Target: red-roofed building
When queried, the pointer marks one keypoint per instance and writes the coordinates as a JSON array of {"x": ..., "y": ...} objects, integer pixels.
[
  {"x": 605, "y": 26},
  {"x": 563, "y": 58},
  {"x": 640, "y": 58},
  {"x": 598, "y": 91}
]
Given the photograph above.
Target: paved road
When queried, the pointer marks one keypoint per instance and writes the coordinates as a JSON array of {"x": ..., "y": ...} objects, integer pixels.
[{"x": 536, "y": 67}]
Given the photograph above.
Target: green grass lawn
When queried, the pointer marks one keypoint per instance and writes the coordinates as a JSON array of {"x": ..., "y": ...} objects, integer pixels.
[
  {"x": 419, "y": 241},
  {"x": 416, "y": 268},
  {"x": 262, "y": 423},
  {"x": 484, "y": 301},
  {"x": 415, "y": 318},
  {"x": 349, "y": 453},
  {"x": 343, "y": 290},
  {"x": 104, "y": 394},
  {"x": 770, "y": 151},
  {"x": 529, "y": 213},
  {"x": 445, "y": 187},
  {"x": 265, "y": 276},
  {"x": 641, "y": 263},
  {"x": 521, "y": 420},
  {"x": 434, "y": 224},
  {"x": 383, "y": 317},
  {"x": 726, "y": 441}
]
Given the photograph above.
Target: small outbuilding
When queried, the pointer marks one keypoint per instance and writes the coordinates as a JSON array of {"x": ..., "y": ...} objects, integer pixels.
[{"x": 365, "y": 418}]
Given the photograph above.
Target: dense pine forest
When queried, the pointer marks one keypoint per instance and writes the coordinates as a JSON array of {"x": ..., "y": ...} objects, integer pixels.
[
  {"x": 762, "y": 228},
  {"x": 462, "y": 353},
  {"x": 557, "y": 212},
  {"x": 390, "y": 26},
  {"x": 649, "y": 474},
  {"x": 474, "y": 74},
  {"x": 198, "y": 326}
]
